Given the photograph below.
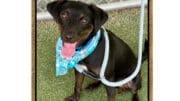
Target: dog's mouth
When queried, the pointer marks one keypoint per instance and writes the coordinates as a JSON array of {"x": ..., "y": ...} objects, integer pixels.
[{"x": 68, "y": 49}]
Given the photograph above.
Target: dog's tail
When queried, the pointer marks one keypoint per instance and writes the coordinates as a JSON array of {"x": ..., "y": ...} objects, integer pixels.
[{"x": 145, "y": 54}]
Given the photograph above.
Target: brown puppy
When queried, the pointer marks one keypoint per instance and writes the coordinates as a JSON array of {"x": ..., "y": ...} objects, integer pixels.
[{"x": 78, "y": 22}]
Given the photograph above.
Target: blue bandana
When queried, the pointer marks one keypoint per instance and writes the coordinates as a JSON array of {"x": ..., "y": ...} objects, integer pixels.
[{"x": 63, "y": 65}]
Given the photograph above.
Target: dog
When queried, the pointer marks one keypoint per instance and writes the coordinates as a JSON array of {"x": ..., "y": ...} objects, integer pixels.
[{"x": 78, "y": 23}]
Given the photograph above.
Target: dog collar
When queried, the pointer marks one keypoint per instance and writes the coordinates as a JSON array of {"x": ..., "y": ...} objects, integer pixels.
[{"x": 64, "y": 64}]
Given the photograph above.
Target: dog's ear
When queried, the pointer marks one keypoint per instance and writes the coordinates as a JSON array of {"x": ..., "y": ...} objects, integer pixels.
[
  {"x": 54, "y": 8},
  {"x": 100, "y": 17}
]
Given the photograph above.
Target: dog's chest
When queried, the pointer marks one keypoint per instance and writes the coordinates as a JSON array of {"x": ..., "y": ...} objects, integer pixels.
[
  {"x": 94, "y": 61},
  {"x": 93, "y": 64}
]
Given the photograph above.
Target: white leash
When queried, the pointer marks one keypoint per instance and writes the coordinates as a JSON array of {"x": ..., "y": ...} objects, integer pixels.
[
  {"x": 134, "y": 74},
  {"x": 80, "y": 68}
]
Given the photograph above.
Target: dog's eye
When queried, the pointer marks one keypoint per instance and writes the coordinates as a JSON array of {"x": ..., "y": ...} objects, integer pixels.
[
  {"x": 64, "y": 15},
  {"x": 83, "y": 20}
]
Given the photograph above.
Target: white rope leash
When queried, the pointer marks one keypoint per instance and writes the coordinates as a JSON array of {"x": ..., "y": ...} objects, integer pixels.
[{"x": 134, "y": 74}]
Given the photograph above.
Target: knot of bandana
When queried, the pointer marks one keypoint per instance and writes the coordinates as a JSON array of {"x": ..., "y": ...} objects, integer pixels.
[{"x": 64, "y": 64}]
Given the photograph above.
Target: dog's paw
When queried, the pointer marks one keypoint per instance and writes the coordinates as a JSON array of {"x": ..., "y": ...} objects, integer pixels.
[{"x": 71, "y": 98}]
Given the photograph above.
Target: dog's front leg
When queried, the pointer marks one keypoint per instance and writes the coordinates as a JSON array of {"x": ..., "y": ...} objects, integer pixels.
[{"x": 79, "y": 78}]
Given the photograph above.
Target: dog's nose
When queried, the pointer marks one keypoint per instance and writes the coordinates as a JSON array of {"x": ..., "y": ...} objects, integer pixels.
[{"x": 69, "y": 37}]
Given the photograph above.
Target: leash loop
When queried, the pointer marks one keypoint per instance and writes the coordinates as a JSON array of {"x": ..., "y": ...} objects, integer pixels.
[{"x": 134, "y": 74}]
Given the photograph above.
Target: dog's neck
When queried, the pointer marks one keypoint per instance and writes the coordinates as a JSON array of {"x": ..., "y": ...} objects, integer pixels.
[{"x": 91, "y": 35}]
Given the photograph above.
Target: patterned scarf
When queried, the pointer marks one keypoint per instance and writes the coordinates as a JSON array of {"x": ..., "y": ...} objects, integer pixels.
[{"x": 64, "y": 64}]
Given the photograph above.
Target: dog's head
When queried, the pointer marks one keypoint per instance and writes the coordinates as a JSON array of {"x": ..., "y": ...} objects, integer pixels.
[{"x": 77, "y": 21}]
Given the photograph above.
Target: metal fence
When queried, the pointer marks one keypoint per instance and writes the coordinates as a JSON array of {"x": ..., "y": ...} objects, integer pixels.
[{"x": 104, "y": 4}]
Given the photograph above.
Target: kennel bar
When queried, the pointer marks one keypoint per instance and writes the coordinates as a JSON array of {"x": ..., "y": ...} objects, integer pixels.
[{"x": 107, "y": 5}]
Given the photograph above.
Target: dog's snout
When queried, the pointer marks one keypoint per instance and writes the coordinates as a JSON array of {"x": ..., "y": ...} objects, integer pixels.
[{"x": 68, "y": 37}]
